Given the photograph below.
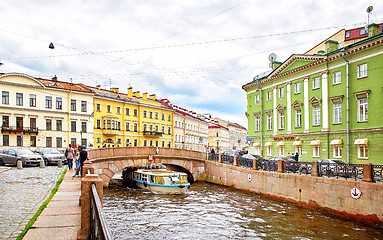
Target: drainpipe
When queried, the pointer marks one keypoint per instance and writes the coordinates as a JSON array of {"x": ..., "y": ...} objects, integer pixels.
[
  {"x": 347, "y": 106},
  {"x": 261, "y": 120}
]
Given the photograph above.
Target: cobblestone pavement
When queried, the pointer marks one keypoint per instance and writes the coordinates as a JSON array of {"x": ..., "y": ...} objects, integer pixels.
[{"x": 22, "y": 192}]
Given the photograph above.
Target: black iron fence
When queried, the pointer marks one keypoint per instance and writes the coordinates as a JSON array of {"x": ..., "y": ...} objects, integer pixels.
[
  {"x": 99, "y": 229},
  {"x": 338, "y": 170}
]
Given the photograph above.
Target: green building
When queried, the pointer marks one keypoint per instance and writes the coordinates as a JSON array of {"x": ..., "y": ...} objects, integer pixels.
[{"x": 324, "y": 105}]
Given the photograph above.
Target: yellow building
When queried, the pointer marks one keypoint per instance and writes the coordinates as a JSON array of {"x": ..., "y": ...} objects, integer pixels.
[{"x": 131, "y": 119}]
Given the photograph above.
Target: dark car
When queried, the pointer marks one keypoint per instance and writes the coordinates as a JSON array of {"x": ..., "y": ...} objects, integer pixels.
[
  {"x": 11, "y": 156},
  {"x": 51, "y": 155},
  {"x": 329, "y": 167}
]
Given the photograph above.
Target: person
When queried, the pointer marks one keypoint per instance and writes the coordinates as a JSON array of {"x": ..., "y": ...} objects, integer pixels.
[
  {"x": 288, "y": 155},
  {"x": 296, "y": 156},
  {"x": 212, "y": 151},
  {"x": 69, "y": 153},
  {"x": 78, "y": 165},
  {"x": 83, "y": 156}
]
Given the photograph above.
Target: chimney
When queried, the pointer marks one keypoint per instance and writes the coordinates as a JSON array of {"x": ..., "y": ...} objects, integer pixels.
[
  {"x": 145, "y": 96},
  {"x": 115, "y": 90},
  {"x": 373, "y": 30},
  {"x": 98, "y": 87},
  {"x": 331, "y": 45},
  {"x": 54, "y": 79},
  {"x": 153, "y": 97},
  {"x": 130, "y": 92},
  {"x": 137, "y": 94}
]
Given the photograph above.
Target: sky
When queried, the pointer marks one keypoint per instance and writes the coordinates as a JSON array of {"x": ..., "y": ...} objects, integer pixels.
[{"x": 197, "y": 54}]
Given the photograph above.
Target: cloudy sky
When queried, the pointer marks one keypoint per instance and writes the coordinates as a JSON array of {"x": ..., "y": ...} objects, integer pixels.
[{"x": 197, "y": 54}]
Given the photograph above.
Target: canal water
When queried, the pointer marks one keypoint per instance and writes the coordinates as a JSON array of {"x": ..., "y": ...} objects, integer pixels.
[{"x": 211, "y": 211}]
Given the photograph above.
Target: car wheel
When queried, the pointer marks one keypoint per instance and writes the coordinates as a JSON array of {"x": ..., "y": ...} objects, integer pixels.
[
  {"x": 329, "y": 173},
  {"x": 2, "y": 162},
  {"x": 304, "y": 171}
]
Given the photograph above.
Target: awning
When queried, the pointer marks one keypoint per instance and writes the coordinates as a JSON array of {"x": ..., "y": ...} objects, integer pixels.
[
  {"x": 297, "y": 143},
  {"x": 268, "y": 144},
  {"x": 281, "y": 143},
  {"x": 315, "y": 143},
  {"x": 256, "y": 144},
  {"x": 362, "y": 141},
  {"x": 336, "y": 142}
]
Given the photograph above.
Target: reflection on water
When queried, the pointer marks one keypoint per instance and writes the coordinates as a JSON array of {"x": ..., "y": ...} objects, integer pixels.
[{"x": 210, "y": 211}]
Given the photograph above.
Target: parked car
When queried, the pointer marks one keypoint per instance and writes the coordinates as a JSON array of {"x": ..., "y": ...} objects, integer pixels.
[
  {"x": 231, "y": 153},
  {"x": 289, "y": 164},
  {"x": 327, "y": 167},
  {"x": 51, "y": 155},
  {"x": 11, "y": 156}
]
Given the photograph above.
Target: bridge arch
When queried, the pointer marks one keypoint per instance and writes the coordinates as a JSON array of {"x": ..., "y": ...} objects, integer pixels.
[{"x": 111, "y": 161}]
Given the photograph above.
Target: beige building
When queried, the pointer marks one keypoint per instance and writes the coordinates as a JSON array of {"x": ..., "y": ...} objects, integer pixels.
[
  {"x": 218, "y": 137},
  {"x": 237, "y": 134},
  {"x": 38, "y": 112}
]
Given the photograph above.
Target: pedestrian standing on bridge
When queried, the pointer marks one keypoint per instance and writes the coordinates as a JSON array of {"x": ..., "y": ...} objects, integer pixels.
[
  {"x": 69, "y": 153},
  {"x": 78, "y": 164},
  {"x": 83, "y": 157}
]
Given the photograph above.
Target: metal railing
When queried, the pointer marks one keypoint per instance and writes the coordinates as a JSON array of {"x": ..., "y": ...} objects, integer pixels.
[
  {"x": 227, "y": 159},
  {"x": 266, "y": 165},
  {"x": 99, "y": 228},
  {"x": 245, "y": 162},
  {"x": 213, "y": 157},
  {"x": 341, "y": 170}
]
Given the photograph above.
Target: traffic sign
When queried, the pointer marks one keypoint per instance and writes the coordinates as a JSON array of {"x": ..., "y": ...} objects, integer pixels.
[{"x": 355, "y": 193}]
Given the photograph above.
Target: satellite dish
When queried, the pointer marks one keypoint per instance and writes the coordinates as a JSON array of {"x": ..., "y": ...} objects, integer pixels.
[
  {"x": 272, "y": 57},
  {"x": 369, "y": 9}
]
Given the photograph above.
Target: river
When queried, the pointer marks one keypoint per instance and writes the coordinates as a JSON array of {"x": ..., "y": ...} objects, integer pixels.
[{"x": 211, "y": 211}]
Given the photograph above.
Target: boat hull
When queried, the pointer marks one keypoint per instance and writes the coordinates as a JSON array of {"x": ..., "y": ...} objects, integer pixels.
[{"x": 163, "y": 189}]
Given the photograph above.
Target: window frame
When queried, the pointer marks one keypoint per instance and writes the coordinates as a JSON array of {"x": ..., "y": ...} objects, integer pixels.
[
  {"x": 360, "y": 71},
  {"x": 48, "y": 102},
  {"x": 269, "y": 121},
  {"x": 316, "y": 115},
  {"x": 19, "y": 99},
  {"x": 5, "y": 97},
  {"x": 337, "y": 113},
  {"x": 364, "y": 154},
  {"x": 316, "y": 83},
  {"x": 316, "y": 151},
  {"x": 336, "y": 79},
  {"x": 363, "y": 113},
  {"x": 32, "y": 100},
  {"x": 337, "y": 151},
  {"x": 297, "y": 88}
]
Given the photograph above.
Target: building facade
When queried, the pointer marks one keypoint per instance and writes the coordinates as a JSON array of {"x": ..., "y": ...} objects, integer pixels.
[
  {"x": 218, "y": 137},
  {"x": 237, "y": 134},
  {"x": 324, "y": 105},
  {"x": 39, "y": 112}
]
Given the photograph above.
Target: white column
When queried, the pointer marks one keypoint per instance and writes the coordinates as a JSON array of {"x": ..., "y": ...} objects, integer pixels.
[
  {"x": 306, "y": 104},
  {"x": 288, "y": 93},
  {"x": 325, "y": 115},
  {"x": 275, "y": 117}
]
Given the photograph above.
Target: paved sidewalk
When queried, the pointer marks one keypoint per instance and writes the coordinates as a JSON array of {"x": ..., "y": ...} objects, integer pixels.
[{"x": 62, "y": 216}]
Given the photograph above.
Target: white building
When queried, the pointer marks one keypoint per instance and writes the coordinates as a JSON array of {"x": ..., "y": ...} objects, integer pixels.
[{"x": 237, "y": 134}]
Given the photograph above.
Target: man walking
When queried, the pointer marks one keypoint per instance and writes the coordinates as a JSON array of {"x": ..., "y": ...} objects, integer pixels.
[
  {"x": 83, "y": 157},
  {"x": 69, "y": 153}
]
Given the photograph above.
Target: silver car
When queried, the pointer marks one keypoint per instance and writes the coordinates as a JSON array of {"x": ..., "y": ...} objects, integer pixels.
[
  {"x": 51, "y": 155},
  {"x": 11, "y": 156}
]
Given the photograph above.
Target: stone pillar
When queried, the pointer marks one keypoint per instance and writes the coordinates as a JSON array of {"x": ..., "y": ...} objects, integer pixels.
[
  {"x": 85, "y": 167},
  {"x": 280, "y": 166},
  {"x": 314, "y": 168},
  {"x": 220, "y": 158},
  {"x": 235, "y": 161},
  {"x": 88, "y": 167},
  {"x": 85, "y": 198},
  {"x": 368, "y": 172},
  {"x": 42, "y": 163},
  {"x": 255, "y": 165},
  {"x": 20, "y": 164}
]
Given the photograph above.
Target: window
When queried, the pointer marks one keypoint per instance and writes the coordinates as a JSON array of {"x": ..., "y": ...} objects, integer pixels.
[
  {"x": 169, "y": 117},
  {"x": 145, "y": 114},
  {"x": 119, "y": 141},
  {"x": 348, "y": 34},
  {"x": 337, "y": 113},
  {"x": 363, "y": 31},
  {"x": 48, "y": 102},
  {"x": 281, "y": 92},
  {"x": 5, "y": 121},
  {"x": 59, "y": 142},
  {"x": 268, "y": 96},
  {"x": 83, "y": 106},
  {"x": 363, "y": 151},
  {"x": 127, "y": 126},
  {"x": 48, "y": 124},
  {"x": 169, "y": 130},
  {"x": 4, "y": 97},
  {"x": 269, "y": 119},
  {"x": 98, "y": 140},
  {"x": 281, "y": 120},
  {"x": 32, "y": 100},
  {"x": 298, "y": 118},
  {"x": 163, "y": 143},
  {"x": 362, "y": 70},
  {"x": 145, "y": 143},
  {"x": 316, "y": 83},
  {"x": 156, "y": 143},
  {"x": 256, "y": 99},
  {"x": 150, "y": 114},
  {"x": 316, "y": 116},
  {"x": 297, "y": 87},
  {"x": 73, "y": 126},
  {"x": 127, "y": 111},
  {"x": 135, "y": 112},
  {"x": 337, "y": 151},
  {"x": 118, "y": 123},
  {"x": 127, "y": 142},
  {"x": 363, "y": 110},
  {"x": 48, "y": 141},
  {"x": 108, "y": 108},
  {"x": 135, "y": 142},
  {"x": 156, "y": 115},
  {"x": 135, "y": 127},
  {"x": 257, "y": 120},
  {"x": 268, "y": 151},
  {"x": 19, "y": 99},
  {"x": 163, "y": 129},
  {"x": 145, "y": 127},
  {"x": 98, "y": 123},
  {"x": 118, "y": 110},
  {"x": 163, "y": 116},
  {"x": 281, "y": 150},
  {"x": 336, "y": 78},
  {"x": 108, "y": 124},
  {"x": 59, "y": 125},
  {"x": 316, "y": 151},
  {"x": 151, "y": 143},
  {"x": 98, "y": 107},
  {"x": 5, "y": 140},
  {"x": 73, "y": 141},
  {"x": 32, "y": 141},
  {"x": 73, "y": 105},
  {"x": 298, "y": 149},
  {"x": 59, "y": 103},
  {"x": 19, "y": 141}
]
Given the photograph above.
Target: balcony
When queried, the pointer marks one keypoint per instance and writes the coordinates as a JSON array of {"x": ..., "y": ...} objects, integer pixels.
[
  {"x": 14, "y": 129},
  {"x": 110, "y": 131},
  {"x": 152, "y": 134}
]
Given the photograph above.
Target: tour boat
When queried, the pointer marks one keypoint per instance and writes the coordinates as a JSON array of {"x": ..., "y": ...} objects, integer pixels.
[{"x": 158, "y": 179}]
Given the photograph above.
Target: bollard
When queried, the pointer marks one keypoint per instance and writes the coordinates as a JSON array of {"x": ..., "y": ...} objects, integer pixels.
[
  {"x": 368, "y": 172},
  {"x": 219, "y": 158},
  {"x": 60, "y": 163},
  {"x": 314, "y": 169},
  {"x": 235, "y": 160},
  {"x": 255, "y": 164},
  {"x": 281, "y": 168},
  {"x": 42, "y": 163},
  {"x": 19, "y": 164}
]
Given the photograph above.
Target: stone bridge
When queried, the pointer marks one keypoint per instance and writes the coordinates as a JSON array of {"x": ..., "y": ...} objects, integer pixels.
[{"x": 109, "y": 162}]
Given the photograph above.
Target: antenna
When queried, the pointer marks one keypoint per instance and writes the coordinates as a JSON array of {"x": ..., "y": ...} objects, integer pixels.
[
  {"x": 369, "y": 10},
  {"x": 272, "y": 58}
]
